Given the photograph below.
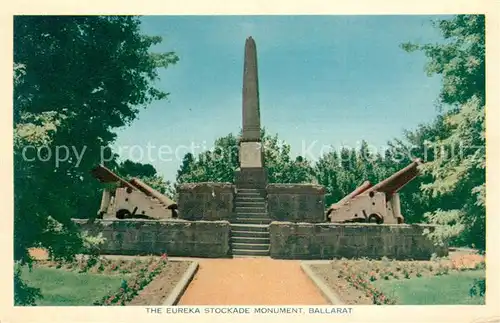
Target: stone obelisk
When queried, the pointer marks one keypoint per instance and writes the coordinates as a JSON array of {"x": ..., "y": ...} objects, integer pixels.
[
  {"x": 251, "y": 111},
  {"x": 252, "y": 172}
]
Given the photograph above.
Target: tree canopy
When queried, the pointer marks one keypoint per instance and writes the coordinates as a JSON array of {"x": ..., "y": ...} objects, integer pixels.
[
  {"x": 458, "y": 169},
  {"x": 77, "y": 79},
  {"x": 219, "y": 164}
]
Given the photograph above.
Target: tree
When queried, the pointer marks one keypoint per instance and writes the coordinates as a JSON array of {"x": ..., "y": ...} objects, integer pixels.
[
  {"x": 401, "y": 152},
  {"x": 341, "y": 172},
  {"x": 76, "y": 79},
  {"x": 146, "y": 173},
  {"x": 220, "y": 164},
  {"x": 217, "y": 165},
  {"x": 458, "y": 169},
  {"x": 129, "y": 168}
]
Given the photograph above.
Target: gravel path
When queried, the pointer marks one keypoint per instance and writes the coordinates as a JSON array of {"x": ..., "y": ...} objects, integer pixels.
[{"x": 251, "y": 281}]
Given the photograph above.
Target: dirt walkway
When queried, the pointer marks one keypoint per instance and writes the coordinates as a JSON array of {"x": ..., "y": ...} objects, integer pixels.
[{"x": 251, "y": 281}]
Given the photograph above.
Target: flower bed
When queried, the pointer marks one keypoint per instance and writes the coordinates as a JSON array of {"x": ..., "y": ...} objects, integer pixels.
[
  {"x": 354, "y": 279},
  {"x": 97, "y": 265},
  {"x": 137, "y": 275},
  {"x": 130, "y": 289}
]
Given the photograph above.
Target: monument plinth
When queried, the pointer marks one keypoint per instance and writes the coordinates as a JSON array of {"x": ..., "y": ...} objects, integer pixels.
[{"x": 252, "y": 173}]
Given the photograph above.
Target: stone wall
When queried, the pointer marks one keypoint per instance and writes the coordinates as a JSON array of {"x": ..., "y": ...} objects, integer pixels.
[
  {"x": 296, "y": 202},
  {"x": 332, "y": 240},
  {"x": 175, "y": 237},
  {"x": 206, "y": 201}
]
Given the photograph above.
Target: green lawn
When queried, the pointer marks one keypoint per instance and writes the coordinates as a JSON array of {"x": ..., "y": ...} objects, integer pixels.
[
  {"x": 437, "y": 290},
  {"x": 64, "y": 288}
]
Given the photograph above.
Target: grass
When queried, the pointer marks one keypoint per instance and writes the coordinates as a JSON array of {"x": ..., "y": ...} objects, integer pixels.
[
  {"x": 434, "y": 290},
  {"x": 66, "y": 288}
]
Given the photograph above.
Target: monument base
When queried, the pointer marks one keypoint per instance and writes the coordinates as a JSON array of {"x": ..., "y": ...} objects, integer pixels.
[
  {"x": 251, "y": 178},
  {"x": 251, "y": 155}
]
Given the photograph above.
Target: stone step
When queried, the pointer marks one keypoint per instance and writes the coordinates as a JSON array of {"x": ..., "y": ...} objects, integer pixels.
[
  {"x": 248, "y": 193},
  {"x": 249, "y": 227},
  {"x": 246, "y": 215},
  {"x": 251, "y": 199},
  {"x": 250, "y": 240},
  {"x": 250, "y": 209},
  {"x": 250, "y": 234},
  {"x": 246, "y": 252},
  {"x": 252, "y": 221},
  {"x": 250, "y": 246},
  {"x": 256, "y": 198},
  {"x": 250, "y": 203},
  {"x": 251, "y": 256},
  {"x": 247, "y": 189}
]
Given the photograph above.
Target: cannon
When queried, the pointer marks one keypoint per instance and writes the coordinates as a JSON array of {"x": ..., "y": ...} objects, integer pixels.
[
  {"x": 375, "y": 204},
  {"x": 131, "y": 199},
  {"x": 363, "y": 187}
]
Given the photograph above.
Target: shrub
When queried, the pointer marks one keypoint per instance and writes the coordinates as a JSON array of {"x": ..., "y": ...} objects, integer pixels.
[
  {"x": 92, "y": 244},
  {"x": 478, "y": 288},
  {"x": 24, "y": 295},
  {"x": 480, "y": 265},
  {"x": 434, "y": 257}
]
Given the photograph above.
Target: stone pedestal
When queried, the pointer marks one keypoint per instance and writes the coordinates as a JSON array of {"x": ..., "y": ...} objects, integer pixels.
[
  {"x": 206, "y": 201},
  {"x": 296, "y": 202}
]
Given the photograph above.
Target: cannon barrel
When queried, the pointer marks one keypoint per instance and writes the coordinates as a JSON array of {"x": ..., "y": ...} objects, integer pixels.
[
  {"x": 105, "y": 175},
  {"x": 149, "y": 191},
  {"x": 360, "y": 189},
  {"x": 398, "y": 180}
]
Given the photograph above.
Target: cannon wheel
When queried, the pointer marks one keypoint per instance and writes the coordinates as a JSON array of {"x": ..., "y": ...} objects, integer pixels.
[
  {"x": 375, "y": 218},
  {"x": 122, "y": 214}
]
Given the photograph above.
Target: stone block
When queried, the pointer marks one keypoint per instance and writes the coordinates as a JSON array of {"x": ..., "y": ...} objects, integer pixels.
[
  {"x": 251, "y": 177},
  {"x": 296, "y": 202},
  {"x": 250, "y": 154},
  {"x": 206, "y": 201}
]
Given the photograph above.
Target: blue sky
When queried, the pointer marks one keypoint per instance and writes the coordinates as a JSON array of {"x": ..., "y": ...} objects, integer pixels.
[{"x": 324, "y": 80}]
